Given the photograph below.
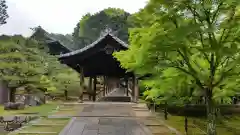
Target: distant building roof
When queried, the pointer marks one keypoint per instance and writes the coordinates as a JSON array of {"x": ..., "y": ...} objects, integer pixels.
[
  {"x": 52, "y": 39},
  {"x": 56, "y": 47}
]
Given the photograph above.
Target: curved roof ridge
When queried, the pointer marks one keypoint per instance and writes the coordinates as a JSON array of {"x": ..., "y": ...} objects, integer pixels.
[{"x": 93, "y": 44}]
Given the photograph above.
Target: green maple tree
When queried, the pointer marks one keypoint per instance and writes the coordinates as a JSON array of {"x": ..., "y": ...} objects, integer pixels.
[{"x": 196, "y": 38}]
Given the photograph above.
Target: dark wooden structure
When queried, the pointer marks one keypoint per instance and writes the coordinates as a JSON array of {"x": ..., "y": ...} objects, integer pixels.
[
  {"x": 55, "y": 46},
  {"x": 96, "y": 60}
]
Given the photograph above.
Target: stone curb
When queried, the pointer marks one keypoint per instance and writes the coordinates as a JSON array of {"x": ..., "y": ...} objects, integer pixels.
[
  {"x": 144, "y": 128},
  {"x": 173, "y": 130},
  {"x": 67, "y": 127}
]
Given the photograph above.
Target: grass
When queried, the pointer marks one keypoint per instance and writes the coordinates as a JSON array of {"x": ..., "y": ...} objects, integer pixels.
[
  {"x": 197, "y": 126},
  {"x": 51, "y": 124},
  {"x": 66, "y": 112},
  {"x": 141, "y": 101},
  {"x": 48, "y": 127},
  {"x": 40, "y": 110},
  {"x": 53, "y": 121}
]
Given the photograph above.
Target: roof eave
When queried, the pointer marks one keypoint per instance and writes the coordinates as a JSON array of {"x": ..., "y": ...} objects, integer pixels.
[{"x": 93, "y": 44}]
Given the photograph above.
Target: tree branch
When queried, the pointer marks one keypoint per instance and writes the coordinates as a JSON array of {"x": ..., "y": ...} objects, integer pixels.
[
  {"x": 216, "y": 12},
  {"x": 229, "y": 30},
  {"x": 222, "y": 78},
  {"x": 195, "y": 15},
  {"x": 198, "y": 82}
]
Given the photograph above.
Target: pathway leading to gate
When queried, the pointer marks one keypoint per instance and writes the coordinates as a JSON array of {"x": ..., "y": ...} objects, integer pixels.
[
  {"x": 117, "y": 92},
  {"x": 106, "y": 118},
  {"x": 114, "y": 118}
]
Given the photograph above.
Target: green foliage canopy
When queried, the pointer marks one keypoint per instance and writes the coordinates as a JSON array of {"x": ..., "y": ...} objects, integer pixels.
[
  {"x": 25, "y": 63},
  {"x": 90, "y": 26},
  {"x": 198, "y": 39}
]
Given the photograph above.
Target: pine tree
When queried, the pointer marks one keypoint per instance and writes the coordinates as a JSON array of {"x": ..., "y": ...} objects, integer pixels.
[{"x": 3, "y": 12}]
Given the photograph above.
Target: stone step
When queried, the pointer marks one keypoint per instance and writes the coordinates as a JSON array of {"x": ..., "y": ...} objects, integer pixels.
[
  {"x": 116, "y": 99},
  {"x": 36, "y": 133}
]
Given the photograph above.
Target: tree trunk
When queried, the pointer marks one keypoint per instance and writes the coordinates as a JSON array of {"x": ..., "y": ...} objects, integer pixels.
[
  {"x": 186, "y": 119},
  {"x": 44, "y": 98},
  {"x": 66, "y": 94},
  {"x": 12, "y": 95},
  {"x": 211, "y": 113},
  {"x": 165, "y": 111}
]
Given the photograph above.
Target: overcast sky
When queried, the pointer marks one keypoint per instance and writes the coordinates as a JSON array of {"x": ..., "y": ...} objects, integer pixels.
[{"x": 57, "y": 16}]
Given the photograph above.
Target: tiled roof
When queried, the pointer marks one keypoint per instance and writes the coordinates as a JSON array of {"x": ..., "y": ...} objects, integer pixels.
[{"x": 94, "y": 44}]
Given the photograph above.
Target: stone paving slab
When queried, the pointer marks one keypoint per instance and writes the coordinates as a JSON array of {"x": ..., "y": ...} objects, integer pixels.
[
  {"x": 110, "y": 110},
  {"x": 106, "y": 119},
  {"x": 107, "y": 126}
]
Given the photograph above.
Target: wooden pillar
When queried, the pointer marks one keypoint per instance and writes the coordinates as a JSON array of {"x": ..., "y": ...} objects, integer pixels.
[
  {"x": 108, "y": 86},
  {"x": 104, "y": 85},
  {"x": 90, "y": 90},
  {"x": 126, "y": 86},
  {"x": 94, "y": 88},
  {"x": 81, "y": 85},
  {"x": 133, "y": 88},
  {"x": 136, "y": 90}
]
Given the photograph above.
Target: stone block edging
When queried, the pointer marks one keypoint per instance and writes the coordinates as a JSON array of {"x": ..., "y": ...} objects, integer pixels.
[
  {"x": 67, "y": 128},
  {"x": 31, "y": 122}
]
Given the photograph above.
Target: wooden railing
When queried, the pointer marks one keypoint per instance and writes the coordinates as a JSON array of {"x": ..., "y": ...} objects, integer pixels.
[
  {"x": 130, "y": 93},
  {"x": 100, "y": 94}
]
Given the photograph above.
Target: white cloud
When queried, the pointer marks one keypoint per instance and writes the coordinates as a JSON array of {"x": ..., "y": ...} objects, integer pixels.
[{"x": 58, "y": 16}]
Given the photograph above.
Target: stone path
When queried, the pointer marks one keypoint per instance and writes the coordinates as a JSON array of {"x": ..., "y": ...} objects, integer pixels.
[
  {"x": 115, "y": 118},
  {"x": 106, "y": 119},
  {"x": 117, "y": 92},
  {"x": 117, "y": 95}
]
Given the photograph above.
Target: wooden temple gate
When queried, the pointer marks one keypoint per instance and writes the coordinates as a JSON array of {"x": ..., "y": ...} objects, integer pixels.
[{"x": 96, "y": 61}]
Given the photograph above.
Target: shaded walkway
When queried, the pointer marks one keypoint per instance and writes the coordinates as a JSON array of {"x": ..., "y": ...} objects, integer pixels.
[
  {"x": 117, "y": 95},
  {"x": 118, "y": 92},
  {"x": 106, "y": 119}
]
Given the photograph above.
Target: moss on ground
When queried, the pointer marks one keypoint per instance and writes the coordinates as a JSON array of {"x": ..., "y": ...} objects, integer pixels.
[{"x": 197, "y": 126}]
